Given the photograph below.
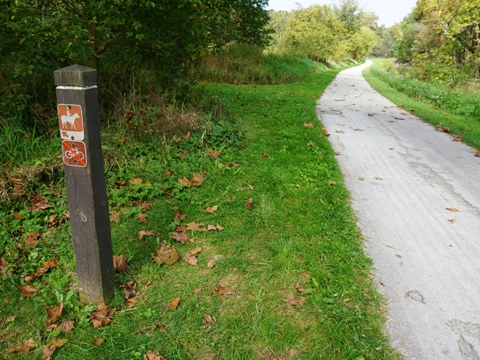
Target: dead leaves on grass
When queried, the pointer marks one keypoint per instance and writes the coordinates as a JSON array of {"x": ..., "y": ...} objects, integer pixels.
[
  {"x": 101, "y": 316},
  {"x": 165, "y": 254},
  {"x": 191, "y": 256},
  {"x": 194, "y": 182}
]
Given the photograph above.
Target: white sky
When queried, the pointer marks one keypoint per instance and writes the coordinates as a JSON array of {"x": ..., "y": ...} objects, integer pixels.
[{"x": 388, "y": 11}]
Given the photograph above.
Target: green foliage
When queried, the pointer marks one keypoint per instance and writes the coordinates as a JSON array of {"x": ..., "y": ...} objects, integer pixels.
[{"x": 325, "y": 33}]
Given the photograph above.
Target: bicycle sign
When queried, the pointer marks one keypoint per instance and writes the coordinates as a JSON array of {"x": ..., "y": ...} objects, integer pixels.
[
  {"x": 70, "y": 119},
  {"x": 74, "y": 153}
]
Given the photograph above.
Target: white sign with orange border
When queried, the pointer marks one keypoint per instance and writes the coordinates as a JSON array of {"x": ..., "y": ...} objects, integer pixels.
[{"x": 70, "y": 119}]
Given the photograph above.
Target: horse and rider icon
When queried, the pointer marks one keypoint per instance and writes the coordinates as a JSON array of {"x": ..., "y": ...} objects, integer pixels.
[{"x": 70, "y": 119}]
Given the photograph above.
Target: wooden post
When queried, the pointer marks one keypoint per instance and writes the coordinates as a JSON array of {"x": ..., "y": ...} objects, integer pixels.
[{"x": 79, "y": 120}]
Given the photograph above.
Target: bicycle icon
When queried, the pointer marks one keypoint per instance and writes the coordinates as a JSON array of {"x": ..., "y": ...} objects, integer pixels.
[{"x": 69, "y": 154}]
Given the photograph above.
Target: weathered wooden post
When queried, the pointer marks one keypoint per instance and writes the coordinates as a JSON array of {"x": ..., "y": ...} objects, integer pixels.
[{"x": 78, "y": 115}]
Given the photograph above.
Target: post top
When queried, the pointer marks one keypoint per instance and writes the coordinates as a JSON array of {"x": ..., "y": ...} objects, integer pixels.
[{"x": 76, "y": 75}]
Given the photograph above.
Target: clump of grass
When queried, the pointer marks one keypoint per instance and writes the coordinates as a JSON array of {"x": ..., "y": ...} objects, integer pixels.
[
  {"x": 248, "y": 64},
  {"x": 456, "y": 110}
]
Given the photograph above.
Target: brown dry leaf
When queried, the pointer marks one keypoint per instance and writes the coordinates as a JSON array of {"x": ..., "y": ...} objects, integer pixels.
[
  {"x": 47, "y": 265},
  {"x": 453, "y": 221},
  {"x": 142, "y": 218},
  {"x": 452, "y": 209},
  {"x": 165, "y": 254},
  {"x": 249, "y": 204},
  {"x": 193, "y": 226},
  {"x": 299, "y": 288},
  {"x": 24, "y": 348},
  {"x": 182, "y": 154},
  {"x": 378, "y": 178},
  {"x": 337, "y": 153},
  {"x": 174, "y": 304},
  {"x": 3, "y": 263},
  {"x": 264, "y": 155},
  {"x": 361, "y": 178},
  {"x": 291, "y": 301},
  {"x": 17, "y": 183},
  {"x": 129, "y": 290},
  {"x": 168, "y": 172},
  {"x": 17, "y": 215},
  {"x": 191, "y": 256},
  {"x": 340, "y": 131},
  {"x": 135, "y": 182},
  {"x": 186, "y": 136},
  {"x": 214, "y": 153},
  {"x": 142, "y": 234},
  {"x": 52, "y": 220},
  {"x": 208, "y": 320},
  {"x": 251, "y": 297},
  {"x": 143, "y": 204},
  {"x": 66, "y": 327},
  {"x": 10, "y": 319},
  {"x": 477, "y": 154},
  {"x": 28, "y": 290},
  {"x": 150, "y": 355},
  {"x": 56, "y": 342},
  {"x": 39, "y": 203},
  {"x": 211, "y": 227},
  {"x": 211, "y": 264},
  {"x": 184, "y": 181},
  {"x": 180, "y": 234},
  {"x": 54, "y": 313},
  {"x": 332, "y": 183},
  {"x": 223, "y": 291},
  {"x": 196, "y": 180},
  {"x": 48, "y": 351},
  {"x": 31, "y": 239},
  {"x": 309, "y": 125},
  {"x": 98, "y": 342},
  {"x": 179, "y": 216},
  {"x": 457, "y": 137},
  {"x": 101, "y": 316},
  {"x": 310, "y": 144},
  {"x": 212, "y": 209},
  {"x": 120, "y": 263}
]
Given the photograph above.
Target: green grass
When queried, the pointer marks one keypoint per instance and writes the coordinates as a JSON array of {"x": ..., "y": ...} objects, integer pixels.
[
  {"x": 300, "y": 234},
  {"x": 457, "y": 111}
]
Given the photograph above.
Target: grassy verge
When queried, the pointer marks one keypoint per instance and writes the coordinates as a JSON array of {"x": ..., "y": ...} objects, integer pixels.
[
  {"x": 442, "y": 115},
  {"x": 284, "y": 276}
]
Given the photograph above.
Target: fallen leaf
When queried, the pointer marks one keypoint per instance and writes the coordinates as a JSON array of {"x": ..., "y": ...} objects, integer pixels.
[
  {"x": 48, "y": 351},
  {"x": 165, "y": 254},
  {"x": 174, "y": 304},
  {"x": 120, "y": 263},
  {"x": 31, "y": 239},
  {"x": 291, "y": 301},
  {"x": 208, "y": 320},
  {"x": 211, "y": 264},
  {"x": 28, "y": 290},
  {"x": 223, "y": 291},
  {"x": 17, "y": 215},
  {"x": 142, "y": 234},
  {"x": 452, "y": 209},
  {"x": 66, "y": 327},
  {"x": 378, "y": 178},
  {"x": 196, "y": 180},
  {"x": 98, "y": 342},
  {"x": 309, "y": 125},
  {"x": 212, "y": 209},
  {"x": 220, "y": 228},
  {"x": 58, "y": 342},
  {"x": 10, "y": 319},
  {"x": 168, "y": 172},
  {"x": 129, "y": 290},
  {"x": 47, "y": 265},
  {"x": 361, "y": 178},
  {"x": 191, "y": 256},
  {"x": 477, "y": 154},
  {"x": 52, "y": 220},
  {"x": 24, "y": 348},
  {"x": 180, "y": 234},
  {"x": 39, "y": 203},
  {"x": 251, "y": 297},
  {"x": 3, "y": 263},
  {"x": 452, "y": 220},
  {"x": 457, "y": 137},
  {"x": 310, "y": 144},
  {"x": 184, "y": 181},
  {"x": 143, "y": 204},
  {"x": 249, "y": 204},
  {"x": 332, "y": 183},
  {"x": 150, "y": 355},
  {"x": 193, "y": 226},
  {"x": 298, "y": 287},
  {"x": 182, "y": 154},
  {"x": 340, "y": 131},
  {"x": 54, "y": 313},
  {"x": 135, "y": 182},
  {"x": 142, "y": 218},
  {"x": 337, "y": 153},
  {"x": 179, "y": 216},
  {"x": 214, "y": 153},
  {"x": 18, "y": 185},
  {"x": 101, "y": 316},
  {"x": 264, "y": 155}
]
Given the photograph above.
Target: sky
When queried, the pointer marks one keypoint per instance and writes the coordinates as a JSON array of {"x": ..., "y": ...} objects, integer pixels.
[{"x": 388, "y": 11}]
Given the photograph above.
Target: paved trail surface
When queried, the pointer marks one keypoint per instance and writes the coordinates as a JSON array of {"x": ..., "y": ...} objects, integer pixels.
[{"x": 404, "y": 176}]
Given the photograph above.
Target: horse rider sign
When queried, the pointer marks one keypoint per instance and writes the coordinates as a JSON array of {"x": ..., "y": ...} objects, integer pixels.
[{"x": 70, "y": 119}]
